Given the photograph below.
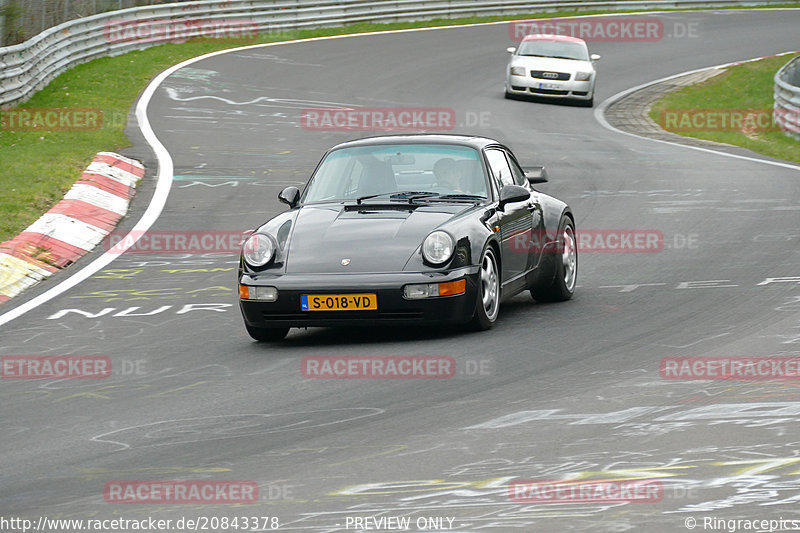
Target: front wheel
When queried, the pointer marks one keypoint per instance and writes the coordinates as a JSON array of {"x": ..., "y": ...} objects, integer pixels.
[
  {"x": 266, "y": 334},
  {"x": 488, "y": 305},
  {"x": 565, "y": 257}
]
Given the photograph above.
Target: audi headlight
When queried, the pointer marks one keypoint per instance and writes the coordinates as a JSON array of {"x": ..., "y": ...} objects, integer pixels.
[
  {"x": 517, "y": 71},
  {"x": 438, "y": 247},
  {"x": 583, "y": 76},
  {"x": 258, "y": 250}
]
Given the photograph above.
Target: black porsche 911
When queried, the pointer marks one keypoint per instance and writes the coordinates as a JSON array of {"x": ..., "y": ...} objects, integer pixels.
[{"x": 407, "y": 229}]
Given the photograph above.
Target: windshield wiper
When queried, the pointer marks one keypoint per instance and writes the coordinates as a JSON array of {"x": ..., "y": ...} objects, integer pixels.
[
  {"x": 411, "y": 196},
  {"x": 462, "y": 196},
  {"x": 362, "y": 198},
  {"x": 401, "y": 195},
  {"x": 565, "y": 57},
  {"x": 472, "y": 198}
]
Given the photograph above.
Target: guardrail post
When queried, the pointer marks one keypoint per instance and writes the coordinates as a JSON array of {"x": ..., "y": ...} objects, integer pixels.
[{"x": 786, "y": 109}]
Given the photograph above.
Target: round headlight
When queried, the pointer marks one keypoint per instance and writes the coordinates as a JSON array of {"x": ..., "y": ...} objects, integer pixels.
[
  {"x": 438, "y": 247},
  {"x": 258, "y": 250}
]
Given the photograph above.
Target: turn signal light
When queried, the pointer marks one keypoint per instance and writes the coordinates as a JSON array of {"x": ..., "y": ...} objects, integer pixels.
[
  {"x": 264, "y": 294},
  {"x": 451, "y": 288},
  {"x": 432, "y": 290}
]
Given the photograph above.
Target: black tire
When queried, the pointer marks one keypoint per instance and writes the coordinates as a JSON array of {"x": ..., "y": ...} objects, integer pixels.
[
  {"x": 487, "y": 305},
  {"x": 588, "y": 103},
  {"x": 267, "y": 334},
  {"x": 565, "y": 259}
]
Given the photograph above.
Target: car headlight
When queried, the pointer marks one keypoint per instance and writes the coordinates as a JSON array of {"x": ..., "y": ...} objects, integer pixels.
[
  {"x": 438, "y": 247},
  {"x": 258, "y": 250},
  {"x": 583, "y": 76},
  {"x": 517, "y": 71}
]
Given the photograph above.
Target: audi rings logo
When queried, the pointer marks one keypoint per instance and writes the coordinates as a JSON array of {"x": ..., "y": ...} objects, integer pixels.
[{"x": 551, "y": 75}]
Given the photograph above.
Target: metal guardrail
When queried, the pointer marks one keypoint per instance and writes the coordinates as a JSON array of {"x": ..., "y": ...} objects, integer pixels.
[
  {"x": 787, "y": 98},
  {"x": 26, "y": 18},
  {"x": 27, "y": 67}
]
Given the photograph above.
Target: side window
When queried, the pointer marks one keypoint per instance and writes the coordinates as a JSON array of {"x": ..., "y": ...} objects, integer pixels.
[
  {"x": 516, "y": 171},
  {"x": 499, "y": 167}
]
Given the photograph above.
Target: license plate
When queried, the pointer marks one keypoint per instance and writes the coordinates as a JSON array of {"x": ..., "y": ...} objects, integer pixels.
[
  {"x": 338, "y": 302},
  {"x": 549, "y": 86}
]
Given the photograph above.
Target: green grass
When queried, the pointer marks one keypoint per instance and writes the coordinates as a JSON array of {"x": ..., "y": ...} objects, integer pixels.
[
  {"x": 748, "y": 86},
  {"x": 38, "y": 167}
]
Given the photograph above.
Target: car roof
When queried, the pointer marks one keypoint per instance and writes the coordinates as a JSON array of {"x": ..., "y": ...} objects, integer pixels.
[
  {"x": 473, "y": 141},
  {"x": 548, "y": 37}
]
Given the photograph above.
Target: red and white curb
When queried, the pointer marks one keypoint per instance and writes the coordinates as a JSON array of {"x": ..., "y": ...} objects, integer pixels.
[{"x": 89, "y": 211}]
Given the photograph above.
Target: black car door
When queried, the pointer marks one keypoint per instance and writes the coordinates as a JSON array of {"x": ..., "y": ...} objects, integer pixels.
[
  {"x": 514, "y": 221},
  {"x": 537, "y": 237}
]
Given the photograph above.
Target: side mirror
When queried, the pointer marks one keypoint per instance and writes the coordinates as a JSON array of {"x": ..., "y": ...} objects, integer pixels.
[
  {"x": 513, "y": 193},
  {"x": 290, "y": 196},
  {"x": 535, "y": 174},
  {"x": 594, "y": 57},
  {"x": 511, "y": 49}
]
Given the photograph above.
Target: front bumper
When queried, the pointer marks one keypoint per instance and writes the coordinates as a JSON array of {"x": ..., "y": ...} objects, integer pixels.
[
  {"x": 525, "y": 85},
  {"x": 393, "y": 308}
]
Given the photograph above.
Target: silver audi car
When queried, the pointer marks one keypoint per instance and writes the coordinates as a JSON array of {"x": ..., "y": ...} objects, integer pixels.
[{"x": 553, "y": 66}]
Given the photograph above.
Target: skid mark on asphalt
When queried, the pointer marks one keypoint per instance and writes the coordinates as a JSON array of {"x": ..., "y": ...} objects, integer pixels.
[
  {"x": 739, "y": 474},
  {"x": 272, "y": 57},
  {"x": 203, "y": 429},
  {"x": 262, "y": 101},
  {"x": 135, "y": 376},
  {"x": 93, "y": 474}
]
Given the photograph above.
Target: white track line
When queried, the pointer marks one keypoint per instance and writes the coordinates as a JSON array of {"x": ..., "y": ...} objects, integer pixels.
[
  {"x": 165, "y": 164},
  {"x": 600, "y": 116}
]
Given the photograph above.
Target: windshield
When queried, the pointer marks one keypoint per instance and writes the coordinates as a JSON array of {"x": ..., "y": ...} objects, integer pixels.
[
  {"x": 559, "y": 49},
  {"x": 378, "y": 170}
]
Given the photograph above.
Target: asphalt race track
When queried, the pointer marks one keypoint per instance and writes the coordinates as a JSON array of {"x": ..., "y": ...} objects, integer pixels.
[{"x": 554, "y": 391}]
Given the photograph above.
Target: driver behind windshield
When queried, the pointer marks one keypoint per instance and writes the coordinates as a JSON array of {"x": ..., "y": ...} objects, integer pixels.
[{"x": 448, "y": 175}]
